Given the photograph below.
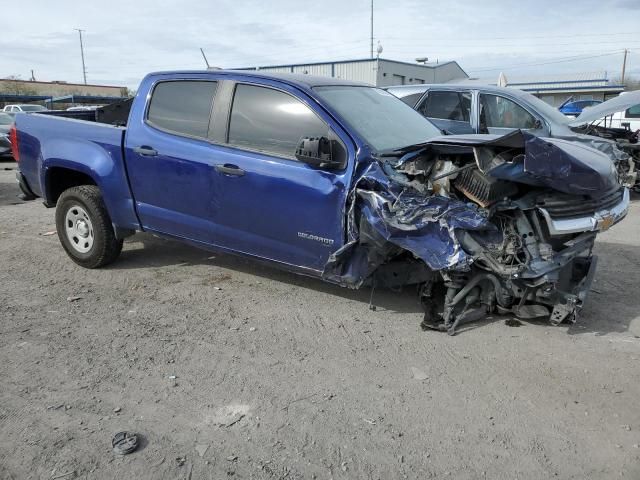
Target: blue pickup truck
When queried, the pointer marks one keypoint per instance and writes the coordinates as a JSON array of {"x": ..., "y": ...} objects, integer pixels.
[{"x": 333, "y": 179}]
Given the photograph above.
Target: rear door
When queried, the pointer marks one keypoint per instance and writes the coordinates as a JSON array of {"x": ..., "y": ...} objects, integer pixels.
[
  {"x": 268, "y": 203},
  {"x": 449, "y": 110},
  {"x": 170, "y": 160}
]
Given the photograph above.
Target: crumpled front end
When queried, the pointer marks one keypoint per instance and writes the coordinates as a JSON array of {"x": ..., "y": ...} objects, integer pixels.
[{"x": 482, "y": 224}]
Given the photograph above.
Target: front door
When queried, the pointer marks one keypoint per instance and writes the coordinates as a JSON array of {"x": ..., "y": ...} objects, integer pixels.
[
  {"x": 268, "y": 203},
  {"x": 500, "y": 115}
]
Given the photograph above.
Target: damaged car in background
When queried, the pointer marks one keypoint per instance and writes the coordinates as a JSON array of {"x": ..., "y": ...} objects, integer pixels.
[
  {"x": 616, "y": 120},
  {"x": 333, "y": 179},
  {"x": 471, "y": 108}
]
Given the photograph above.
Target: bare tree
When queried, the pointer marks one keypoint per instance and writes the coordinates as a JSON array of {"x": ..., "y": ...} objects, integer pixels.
[{"x": 630, "y": 83}]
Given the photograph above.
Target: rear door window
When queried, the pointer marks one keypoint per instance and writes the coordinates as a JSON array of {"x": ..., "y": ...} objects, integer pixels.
[
  {"x": 412, "y": 99},
  {"x": 447, "y": 106},
  {"x": 500, "y": 112},
  {"x": 271, "y": 121},
  {"x": 182, "y": 107}
]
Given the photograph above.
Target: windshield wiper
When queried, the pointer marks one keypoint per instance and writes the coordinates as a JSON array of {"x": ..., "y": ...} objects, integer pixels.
[
  {"x": 402, "y": 150},
  {"x": 409, "y": 148}
]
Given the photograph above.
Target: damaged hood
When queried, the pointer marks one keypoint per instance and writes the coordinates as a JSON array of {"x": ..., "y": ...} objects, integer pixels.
[
  {"x": 566, "y": 166},
  {"x": 617, "y": 104}
]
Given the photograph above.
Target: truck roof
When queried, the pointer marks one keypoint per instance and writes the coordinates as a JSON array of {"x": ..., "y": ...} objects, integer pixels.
[{"x": 296, "y": 79}]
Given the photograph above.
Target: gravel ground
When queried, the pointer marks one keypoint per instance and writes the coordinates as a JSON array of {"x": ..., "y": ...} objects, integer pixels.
[{"x": 232, "y": 369}]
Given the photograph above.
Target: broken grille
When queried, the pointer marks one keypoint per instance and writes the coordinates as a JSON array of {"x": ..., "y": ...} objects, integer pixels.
[{"x": 567, "y": 206}]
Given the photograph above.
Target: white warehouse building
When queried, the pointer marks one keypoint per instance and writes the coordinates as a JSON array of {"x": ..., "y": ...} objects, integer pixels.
[{"x": 375, "y": 71}]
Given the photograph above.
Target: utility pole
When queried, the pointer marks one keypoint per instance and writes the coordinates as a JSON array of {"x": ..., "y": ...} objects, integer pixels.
[
  {"x": 84, "y": 69},
  {"x": 371, "y": 28},
  {"x": 624, "y": 65}
]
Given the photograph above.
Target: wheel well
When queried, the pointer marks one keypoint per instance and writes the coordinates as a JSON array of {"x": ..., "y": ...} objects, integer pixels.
[{"x": 59, "y": 179}]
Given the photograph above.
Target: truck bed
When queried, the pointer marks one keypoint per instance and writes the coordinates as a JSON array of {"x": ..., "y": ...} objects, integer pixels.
[
  {"x": 114, "y": 114},
  {"x": 52, "y": 148}
]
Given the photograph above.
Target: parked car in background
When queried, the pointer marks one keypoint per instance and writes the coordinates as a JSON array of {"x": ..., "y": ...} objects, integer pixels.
[
  {"x": 24, "y": 108},
  {"x": 629, "y": 119},
  {"x": 572, "y": 108},
  {"x": 332, "y": 179},
  {"x": 5, "y": 124},
  {"x": 458, "y": 109}
]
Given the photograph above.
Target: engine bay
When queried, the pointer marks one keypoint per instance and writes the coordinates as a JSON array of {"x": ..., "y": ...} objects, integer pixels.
[{"x": 500, "y": 225}]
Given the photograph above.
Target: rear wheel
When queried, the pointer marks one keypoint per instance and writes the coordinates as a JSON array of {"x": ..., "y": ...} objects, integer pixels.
[{"x": 84, "y": 227}]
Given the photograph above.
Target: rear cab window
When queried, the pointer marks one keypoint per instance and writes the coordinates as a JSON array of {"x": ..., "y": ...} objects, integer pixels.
[
  {"x": 271, "y": 121},
  {"x": 182, "y": 107}
]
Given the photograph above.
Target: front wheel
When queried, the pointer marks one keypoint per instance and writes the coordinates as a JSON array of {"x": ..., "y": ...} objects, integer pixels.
[{"x": 84, "y": 227}]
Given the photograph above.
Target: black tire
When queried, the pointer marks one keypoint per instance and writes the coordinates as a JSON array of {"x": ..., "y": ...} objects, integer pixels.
[{"x": 100, "y": 246}]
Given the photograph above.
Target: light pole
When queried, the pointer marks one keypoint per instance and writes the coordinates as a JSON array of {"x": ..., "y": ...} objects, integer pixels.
[
  {"x": 84, "y": 69},
  {"x": 371, "y": 28}
]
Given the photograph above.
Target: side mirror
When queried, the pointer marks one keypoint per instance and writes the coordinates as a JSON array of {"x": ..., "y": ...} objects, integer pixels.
[{"x": 318, "y": 152}]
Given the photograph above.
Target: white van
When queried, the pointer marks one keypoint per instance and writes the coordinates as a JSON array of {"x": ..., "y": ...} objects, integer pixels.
[{"x": 614, "y": 113}]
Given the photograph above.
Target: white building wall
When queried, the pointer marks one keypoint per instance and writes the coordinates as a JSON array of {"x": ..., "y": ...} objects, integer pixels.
[
  {"x": 448, "y": 71},
  {"x": 324, "y": 70},
  {"x": 275, "y": 69},
  {"x": 382, "y": 73},
  {"x": 356, "y": 71}
]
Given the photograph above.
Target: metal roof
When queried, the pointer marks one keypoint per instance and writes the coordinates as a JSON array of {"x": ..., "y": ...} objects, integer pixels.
[
  {"x": 19, "y": 98},
  {"x": 430, "y": 65},
  {"x": 58, "y": 82},
  {"x": 585, "y": 81}
]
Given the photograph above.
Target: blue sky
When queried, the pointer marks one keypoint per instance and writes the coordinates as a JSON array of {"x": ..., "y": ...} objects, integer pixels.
[{"x": 126, "y": 39}]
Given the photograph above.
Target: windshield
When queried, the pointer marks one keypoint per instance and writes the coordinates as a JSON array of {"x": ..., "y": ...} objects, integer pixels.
[
  {"x": 5, "y": 119},
  {"x": 381, "y": 119},
  {"x": 32, "y": 108}
]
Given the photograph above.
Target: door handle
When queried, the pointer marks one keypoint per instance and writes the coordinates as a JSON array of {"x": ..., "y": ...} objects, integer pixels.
[
  {"x": 145, "y": 151},
  {"x": 229, "y": 169}
]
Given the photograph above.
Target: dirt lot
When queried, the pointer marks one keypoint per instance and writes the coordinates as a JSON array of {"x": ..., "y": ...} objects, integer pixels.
[{"x": 279, "y": 376}]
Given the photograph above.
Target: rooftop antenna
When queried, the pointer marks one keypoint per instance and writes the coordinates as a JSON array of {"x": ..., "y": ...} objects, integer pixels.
[
  {"x": 379, "y": 50},
  {"x": 84, "y": 69},
  {"x": 205, "y": 58}
]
